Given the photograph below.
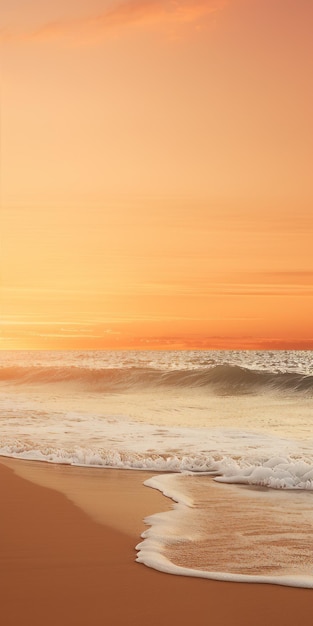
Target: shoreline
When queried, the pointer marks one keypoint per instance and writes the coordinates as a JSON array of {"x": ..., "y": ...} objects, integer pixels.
[{"x": 61, "y": 566}]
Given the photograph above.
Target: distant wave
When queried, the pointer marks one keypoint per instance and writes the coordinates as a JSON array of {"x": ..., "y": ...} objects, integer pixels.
[{"x": 222, "y": 379}]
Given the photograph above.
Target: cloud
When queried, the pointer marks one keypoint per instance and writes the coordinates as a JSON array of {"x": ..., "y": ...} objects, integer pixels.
[
  {"x": 132, "y": 13},
  {"x": 177, "y": 11}
]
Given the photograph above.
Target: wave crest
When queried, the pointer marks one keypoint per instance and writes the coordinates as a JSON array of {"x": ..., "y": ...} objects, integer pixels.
[{"x": 222, "y": 379}]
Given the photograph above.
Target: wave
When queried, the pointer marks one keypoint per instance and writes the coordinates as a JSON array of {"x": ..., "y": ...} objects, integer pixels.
[
  {"x": 174, "y": 538},
  {"x": 223, "y": 379},
  {"x": 274, "y": 472}
]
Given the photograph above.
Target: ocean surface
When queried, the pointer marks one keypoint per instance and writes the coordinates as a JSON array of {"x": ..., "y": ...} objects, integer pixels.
[{"x": 228, "y": 434}]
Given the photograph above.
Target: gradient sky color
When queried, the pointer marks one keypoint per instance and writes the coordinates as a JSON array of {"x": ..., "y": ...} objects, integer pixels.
[{"x": 156, "y": 174}]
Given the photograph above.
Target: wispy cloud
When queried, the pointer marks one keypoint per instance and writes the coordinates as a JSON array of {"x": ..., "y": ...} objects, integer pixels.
[
  {"x": 131, "y": 13},
  {"x": 181, "y": 11}
]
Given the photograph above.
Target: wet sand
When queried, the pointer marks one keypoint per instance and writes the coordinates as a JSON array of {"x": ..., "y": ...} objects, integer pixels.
[{"x": 60, "y": 566}]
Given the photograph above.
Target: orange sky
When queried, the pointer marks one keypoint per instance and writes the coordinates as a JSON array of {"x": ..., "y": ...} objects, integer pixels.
[{"x": 156, "y": 174}]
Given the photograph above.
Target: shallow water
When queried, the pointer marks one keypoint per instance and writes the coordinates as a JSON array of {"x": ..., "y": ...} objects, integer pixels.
[
  {"x": 243, "y": 417},
  {"x": 231, "y": 533}
]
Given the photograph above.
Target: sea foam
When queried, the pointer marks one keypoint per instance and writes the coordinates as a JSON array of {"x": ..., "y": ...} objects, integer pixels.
[
  {"x": 245, "y": 536},
  {"x": 289, "y": 472}
]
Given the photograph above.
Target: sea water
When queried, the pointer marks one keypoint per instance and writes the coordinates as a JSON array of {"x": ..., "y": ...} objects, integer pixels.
[{"x": 228, "y": 434}]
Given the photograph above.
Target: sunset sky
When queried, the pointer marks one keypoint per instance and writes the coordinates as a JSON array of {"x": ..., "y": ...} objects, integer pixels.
[{"x": 156, "y": 174}]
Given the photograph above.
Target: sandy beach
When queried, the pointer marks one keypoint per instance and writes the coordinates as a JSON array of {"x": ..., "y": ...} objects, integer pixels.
[{"x": 63, "y": 566}]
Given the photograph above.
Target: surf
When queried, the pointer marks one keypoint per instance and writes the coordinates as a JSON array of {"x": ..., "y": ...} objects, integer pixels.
[{"x": 220, "y": 379}]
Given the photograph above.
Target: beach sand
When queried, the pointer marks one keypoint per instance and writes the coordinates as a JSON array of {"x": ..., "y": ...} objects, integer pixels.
[{"x": 60, "y": 566}]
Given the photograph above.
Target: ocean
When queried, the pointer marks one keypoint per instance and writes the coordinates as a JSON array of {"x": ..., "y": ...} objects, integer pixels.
[{"x": 227, "y": 434}]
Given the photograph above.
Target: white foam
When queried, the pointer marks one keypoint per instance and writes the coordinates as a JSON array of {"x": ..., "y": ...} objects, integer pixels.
[
  {"x": 234, "y": 457},
  {"x": 178, "y": 526},
  {"x": 275, "y": 473}
]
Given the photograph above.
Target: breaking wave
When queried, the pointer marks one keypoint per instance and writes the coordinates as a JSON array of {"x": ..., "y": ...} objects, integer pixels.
[
  {"x": 222, "y": 379},
  {"x": 275, "y": 472}
]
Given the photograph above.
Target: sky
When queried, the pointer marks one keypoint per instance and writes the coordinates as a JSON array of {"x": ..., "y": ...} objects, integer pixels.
[{"x": 156, "y": 174}]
